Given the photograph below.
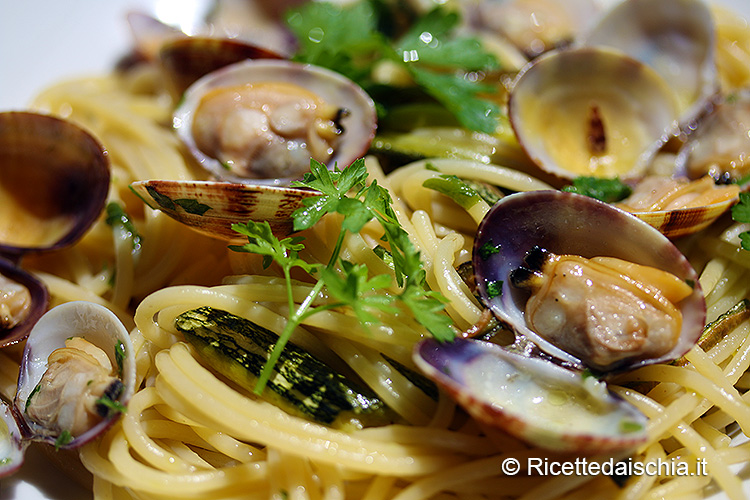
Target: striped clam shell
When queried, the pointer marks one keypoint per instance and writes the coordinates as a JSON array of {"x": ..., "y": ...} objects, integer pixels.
[
  {"x": 685, "y": 221},
  {"x": 212, "y": 207}
]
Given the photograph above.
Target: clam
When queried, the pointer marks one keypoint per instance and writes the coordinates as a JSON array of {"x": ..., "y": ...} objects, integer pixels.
[
  {"x": 54, "y": 179},
  {"x": 587, "y": 288},
  {"x": 77, "y": 374},
  {"x": 537, "y": 26},
  {"x": 675, "y": 37},
  {"x": 590, "y": 284},
  {"x": 677, "y": 206},
  {"x": 261, "y": 121},
  {"x": 720, "y": 144},
  {"x": 23, "y": 300},
  {"x": 535, "y": 400},
  {"x": 186, "y": 59},
  {"x": 212, "y": 207},
  {"x": 591, "y": 111}
]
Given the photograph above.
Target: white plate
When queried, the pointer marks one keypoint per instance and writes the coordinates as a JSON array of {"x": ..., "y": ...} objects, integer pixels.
[{"x": 43, "y": 41}]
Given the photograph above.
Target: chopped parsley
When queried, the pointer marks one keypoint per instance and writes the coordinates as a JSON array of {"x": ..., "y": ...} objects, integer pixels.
[
  {"x": 494, "y": 288},
  {"x": 116, "y": 216},
  {"x": 606, "y": 190},
  {"x": 741, "y": 213},
  {"x": 488, "y": 249},
  {"x": 112, "y": 405},
  {"x": 64, "y": 438},
  {"x": 627, "y": 426}
]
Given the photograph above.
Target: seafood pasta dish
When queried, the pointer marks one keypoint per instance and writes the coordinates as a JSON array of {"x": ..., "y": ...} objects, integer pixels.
[{"x": 387, "y": 249}]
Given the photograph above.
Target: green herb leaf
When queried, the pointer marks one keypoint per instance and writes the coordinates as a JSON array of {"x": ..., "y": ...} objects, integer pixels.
[
  {"x": 458, "y": 93},
  {"x": 488, "y": 249},
  {"x": 192, "y": 206},
  {"x": 116, "y": 216},
  {"x": 741, "y": 213},
  {"x": 120, "y": 357},
  {"x": 353, "y": 288},
  {"x": 494, "y": 289},
  {"x": 112, "y": 405},
  {"x": 163, "y": 200},
  {"x": 262, "y": 241},
  {"x": 454, "y": 188},
  {"x": 64, "y": 438},
  {"x": 607, "y": 190},
  {"x": 430, "y": 41},
  {"x": 627, "y": 426}
]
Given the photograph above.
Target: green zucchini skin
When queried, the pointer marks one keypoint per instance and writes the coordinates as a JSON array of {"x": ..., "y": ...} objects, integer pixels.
[{"x": 300, "y": 383}]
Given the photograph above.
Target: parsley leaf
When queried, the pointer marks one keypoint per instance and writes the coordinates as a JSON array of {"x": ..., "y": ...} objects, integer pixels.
[
  {"x": 64, "y": 438},
  {"x": 345, "y": 192},
  {"x": 263, "y": 242},
  {"x": 445, "y": 66},
  {"x": 116, "y": 216},
  {"x": 741, "y": 213},
  {"x": 607, "y": 190}
]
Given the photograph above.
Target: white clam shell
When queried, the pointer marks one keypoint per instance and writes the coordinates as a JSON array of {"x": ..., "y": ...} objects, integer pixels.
[
  {"x": 675, "y": 37},
  {"x": 96, "y": 324},
  {"x": 555, "y": 97}
]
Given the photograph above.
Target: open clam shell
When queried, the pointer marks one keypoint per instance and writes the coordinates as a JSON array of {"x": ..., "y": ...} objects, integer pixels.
[
  {"x": 675, "y": 37},
  {"x": 532, "y": 399},
  {"x": 720, "y": 144},
  {"x": 12, "y": 445},
  {"x": 356, "y": 120},
  {"x": 212, "y": 207},
  {"x": 685, "y": 221},
  {"x": 28, "y": 308},
  {"x": 566, "y": 223},
  {"x": 54, "y": 179},
  {"x": 98, "y": 326},
  {"x": 591, "y": 111},
  {"x": 187, "y": 59}
]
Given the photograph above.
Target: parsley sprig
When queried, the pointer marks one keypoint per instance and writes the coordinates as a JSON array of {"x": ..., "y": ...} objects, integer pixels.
[
  {"x": 345, "y": 192},
  {"x": 445, "y": 66}
]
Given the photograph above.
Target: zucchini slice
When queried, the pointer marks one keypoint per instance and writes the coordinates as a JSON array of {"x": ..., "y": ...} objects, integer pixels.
[{"x": 300, "y": 383}]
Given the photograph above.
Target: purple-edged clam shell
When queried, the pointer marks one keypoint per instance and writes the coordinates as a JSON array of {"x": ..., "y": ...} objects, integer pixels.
[
  {"x": 532, "y": 399},
  {"x": 566, "y": 223},
  {"x": 96, "y": 324},
  {"x": 39, "y": 302},
  {"x": 12, "y": 445},
  {"x": 54, "y": 180},
  {"x": 358, "y": 125}
]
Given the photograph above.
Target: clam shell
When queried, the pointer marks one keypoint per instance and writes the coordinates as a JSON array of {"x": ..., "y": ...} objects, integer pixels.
[
  {"x": 532, "y": 399},
  {"x": 555, "y": 98},
  {"x": 96, "y": 324},
  {"x": 685, "y": 221},
  {"x": 185, "y": 60},
  {"x": 567, "y": 223},
  {"x": 212, "y": 207},
  {"x": 359, "y": 126},
  {"x": 39, "y": 303},
  {"x": 675, "y": 37},
  {"x": 12, "y": 445},
  {"x": 54, "y": 179}
]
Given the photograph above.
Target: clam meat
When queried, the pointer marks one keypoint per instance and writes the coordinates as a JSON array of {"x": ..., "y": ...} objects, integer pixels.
[
  {"x": 602, "y": 310},
  {"x": 15, "y": 302},
  {"x": 720, "y": 144},
  {"x": 23, "y": 300},
  {"x": 267, "y": 129},
  {"x": 261, "y": 121}
]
